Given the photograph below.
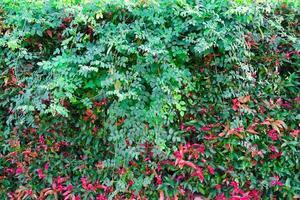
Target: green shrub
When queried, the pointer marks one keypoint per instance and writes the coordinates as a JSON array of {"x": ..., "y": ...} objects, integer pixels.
[{"x": 149, "y": 99}]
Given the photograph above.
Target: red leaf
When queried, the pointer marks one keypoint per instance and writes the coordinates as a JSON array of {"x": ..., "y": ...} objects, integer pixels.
[
  {"x": 67, "y": 20},
  {"x": 199, "y": 174},
  {"x": 158, "y": 180},
  {"x": 244, "y": 99},
  {"x": 275, "y": 155},
  {"x": 182, "y": 163},
  {"x": 205, "y": 128},
  {"x": 200, "y": 147},
  {"x": 251, "y": 129},
  {"x": 49, "y": 33},
  {"x": 161, "y": 195},
  {"x": 236, "y": 104},
  {"x": 211, "y": 169},
  {"x": 295, "y": 133}
]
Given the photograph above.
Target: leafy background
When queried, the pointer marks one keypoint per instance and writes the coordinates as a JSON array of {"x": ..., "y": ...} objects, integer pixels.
[{"x": 149, "y": 99}]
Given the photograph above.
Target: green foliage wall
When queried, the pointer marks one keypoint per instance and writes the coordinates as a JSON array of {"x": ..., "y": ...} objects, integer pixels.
[{"x": 149, "y": 99}]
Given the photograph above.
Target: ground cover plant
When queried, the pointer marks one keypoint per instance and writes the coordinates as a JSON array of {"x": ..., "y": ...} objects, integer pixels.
[{"x": 149, "y": 99}]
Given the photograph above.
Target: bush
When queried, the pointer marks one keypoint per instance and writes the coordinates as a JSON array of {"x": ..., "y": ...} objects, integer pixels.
[{"x": 149, "y": 100}]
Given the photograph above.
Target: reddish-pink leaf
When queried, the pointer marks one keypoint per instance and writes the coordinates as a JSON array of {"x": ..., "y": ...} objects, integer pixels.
[{"x": 49, "y": 32}]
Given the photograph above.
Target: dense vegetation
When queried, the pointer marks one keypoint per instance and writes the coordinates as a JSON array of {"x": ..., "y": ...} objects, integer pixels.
[{"x": 149, "y": 99}]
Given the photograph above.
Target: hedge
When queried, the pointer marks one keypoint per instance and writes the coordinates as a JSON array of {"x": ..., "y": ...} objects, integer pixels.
[{"x": 149, "y": 99}]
